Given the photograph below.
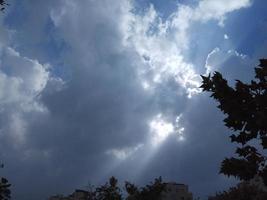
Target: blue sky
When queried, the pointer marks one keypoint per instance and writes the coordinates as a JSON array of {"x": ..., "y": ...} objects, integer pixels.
[{"x": 90, "y": 89}]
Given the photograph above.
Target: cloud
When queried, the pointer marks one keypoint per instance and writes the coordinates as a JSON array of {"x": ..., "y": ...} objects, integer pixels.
[
  {"x": 163, "y": 44},
  {"x": 75, "y": 113},
  {"x": 216, "y": 58},
  {"x": 225, "y": 36},
  {"x": 162, "y": 57},
  {"x": 32, "y": 75},
  {"x": 124, "y": 153},
  {"x": 232, "y": 64},
  {"x": 206, "y": 10},
  {"x": 162, "y": 129},
  {"x": 22, "y": 80},
  {"x": 209, "y": 9}
]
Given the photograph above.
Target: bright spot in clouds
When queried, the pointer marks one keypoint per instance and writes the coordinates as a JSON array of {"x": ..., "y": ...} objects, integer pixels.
[
  {"x": 161, "y": 129},
  {"x": 145, "y": 85}
]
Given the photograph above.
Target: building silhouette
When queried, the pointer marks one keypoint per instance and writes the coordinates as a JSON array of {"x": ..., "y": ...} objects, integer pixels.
[{"x": 176, "y": 191}]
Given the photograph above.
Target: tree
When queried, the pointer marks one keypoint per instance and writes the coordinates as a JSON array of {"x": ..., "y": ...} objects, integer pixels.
[
  {"x": 109, "y": 191},
  {"x": 4, "y": 189},
  {"x": 245, "y": 109},
  {"x": 132, "y": 191},
  {"x": 244, "y": 191},
  {"x": 151, "y": 191},
  {"x": 4, "y": 185},
  {"x": 3, "y": 5},
  {"x": 5, "y": 192}
]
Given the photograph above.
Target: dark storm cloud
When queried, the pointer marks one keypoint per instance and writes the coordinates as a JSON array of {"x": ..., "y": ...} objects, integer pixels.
[{"x": 100, "y": 107}]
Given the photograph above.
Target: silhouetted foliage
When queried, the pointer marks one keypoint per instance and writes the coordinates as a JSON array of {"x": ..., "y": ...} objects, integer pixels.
[
  {"x": 109, "y": 191},
  {"x": 243, "y": 191},
  {"x": 245, "y": 107},
  {"x": 132, "y": 191},
  {"x": 151, "y": 191},
  {"x": 4, "y": 185},
  {"x": 3, "y": 5},
  {"x": 4, "y": 189}
]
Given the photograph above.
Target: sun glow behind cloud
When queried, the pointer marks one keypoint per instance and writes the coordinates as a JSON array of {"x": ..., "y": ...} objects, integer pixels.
[
  {"x": 162, "y": 45},
  {"x": 162, "y": 129}
]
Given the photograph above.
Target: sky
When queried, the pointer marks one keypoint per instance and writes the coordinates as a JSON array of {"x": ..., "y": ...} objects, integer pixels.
[{"x": 91, "y": 89}]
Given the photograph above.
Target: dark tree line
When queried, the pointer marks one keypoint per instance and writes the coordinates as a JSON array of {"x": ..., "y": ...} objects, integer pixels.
[
  {"x": 243, "y": 191},
  {"x": 112, "y": 191}
]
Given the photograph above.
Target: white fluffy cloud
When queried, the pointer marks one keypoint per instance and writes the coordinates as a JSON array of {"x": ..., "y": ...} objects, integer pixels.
[
  {"x": 28, "y": 76},
  {"x": 160, "y": 44},
  {"x": 21, "y": 81},
  {"x": 163, "y": 44},
  {"x": 162, "y": 56},
  {"x": 217, "y": 9}
]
